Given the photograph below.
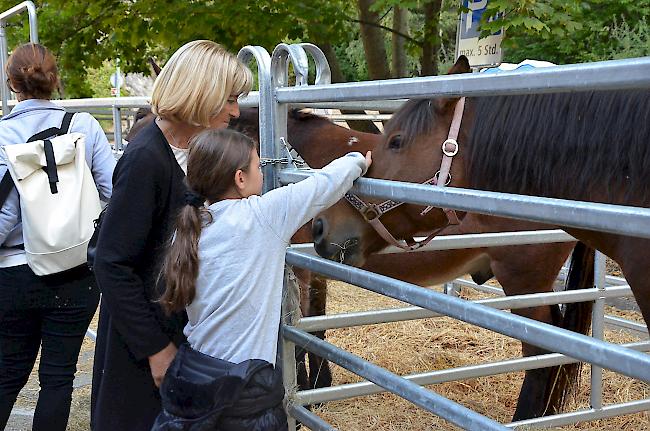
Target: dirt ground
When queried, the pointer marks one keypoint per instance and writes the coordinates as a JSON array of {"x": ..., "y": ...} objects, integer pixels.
[{"x": 403, "y": 348}]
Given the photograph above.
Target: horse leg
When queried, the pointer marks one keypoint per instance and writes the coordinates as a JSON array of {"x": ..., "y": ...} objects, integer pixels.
[
  {"x": 320, "y": 375},
  {"x": 631, "y": 255},
  {"x": 512, "y": 267}
]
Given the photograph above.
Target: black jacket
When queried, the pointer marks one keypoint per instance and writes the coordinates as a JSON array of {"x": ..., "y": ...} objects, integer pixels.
[
  {"x": 148, "y": 191},
  {"x": 202, "y": 393}
]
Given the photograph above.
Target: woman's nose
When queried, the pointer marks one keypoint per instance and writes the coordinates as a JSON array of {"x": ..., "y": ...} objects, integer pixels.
[{"x": 234, "y": 111}]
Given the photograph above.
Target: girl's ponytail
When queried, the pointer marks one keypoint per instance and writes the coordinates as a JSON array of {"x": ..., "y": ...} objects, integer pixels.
[
  {"x": 181, "y": 265},
  {"x": 215, "y": 156}
]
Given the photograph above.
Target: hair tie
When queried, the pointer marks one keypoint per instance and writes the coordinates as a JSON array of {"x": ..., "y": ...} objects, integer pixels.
[{"x": 194, "y": 199}]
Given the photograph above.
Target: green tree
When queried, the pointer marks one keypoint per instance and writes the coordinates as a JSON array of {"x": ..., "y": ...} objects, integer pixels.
[
  {"x": 85, "y": 34},
  {"x": 565, "y": 31}
]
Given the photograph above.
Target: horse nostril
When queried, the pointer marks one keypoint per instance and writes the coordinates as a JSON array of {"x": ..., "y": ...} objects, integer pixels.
[{"x": 318, "y": 230}]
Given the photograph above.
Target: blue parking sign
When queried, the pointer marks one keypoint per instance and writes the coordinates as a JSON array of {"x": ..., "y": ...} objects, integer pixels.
[{"x": 480, "y": 52}]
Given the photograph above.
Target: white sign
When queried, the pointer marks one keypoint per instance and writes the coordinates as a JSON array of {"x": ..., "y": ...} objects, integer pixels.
[
  {"x": 479, "y": 52},
  {"x": 117, "y": 80}
]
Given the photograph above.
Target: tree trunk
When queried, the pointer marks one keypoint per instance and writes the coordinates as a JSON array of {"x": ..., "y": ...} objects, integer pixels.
[
  {"x": 400, "y": 24},
  {"x": 431, "y": 42},
  {"x": 373, "y": 41}
]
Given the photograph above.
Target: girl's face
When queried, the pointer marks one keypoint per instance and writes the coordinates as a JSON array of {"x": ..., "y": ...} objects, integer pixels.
[
  {"x": 229, "y": 111},
  {"x": 250, "y": 181}
]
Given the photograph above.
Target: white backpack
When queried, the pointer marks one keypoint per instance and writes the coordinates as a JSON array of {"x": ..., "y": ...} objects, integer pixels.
[{"x": 58, "y": 197}]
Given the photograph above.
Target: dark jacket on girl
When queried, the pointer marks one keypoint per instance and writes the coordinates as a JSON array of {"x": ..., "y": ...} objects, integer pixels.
[{"x": 202, "y": 393}]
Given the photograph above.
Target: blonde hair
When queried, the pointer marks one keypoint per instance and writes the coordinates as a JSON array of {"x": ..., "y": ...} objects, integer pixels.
[{"x": 197, "y": 81}]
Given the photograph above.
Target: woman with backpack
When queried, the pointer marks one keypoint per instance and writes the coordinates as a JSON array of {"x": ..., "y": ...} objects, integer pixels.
[
  {"x": 197, "y": 90},
  {"x": 50, "y": 312}
]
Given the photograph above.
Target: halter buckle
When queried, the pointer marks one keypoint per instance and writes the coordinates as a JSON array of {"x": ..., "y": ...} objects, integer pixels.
[
  {"x": 454, "y": 151},
  {"x": 371, "y": 213}
]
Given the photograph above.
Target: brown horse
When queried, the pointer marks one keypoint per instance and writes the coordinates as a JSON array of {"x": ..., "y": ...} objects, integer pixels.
[
  {"x": 319, "y": 141},
  {"x": 589, "y": 146}
]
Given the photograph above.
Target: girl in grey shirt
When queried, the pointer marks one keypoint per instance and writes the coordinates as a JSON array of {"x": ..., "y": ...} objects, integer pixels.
[{"x": 226, "y": 261}]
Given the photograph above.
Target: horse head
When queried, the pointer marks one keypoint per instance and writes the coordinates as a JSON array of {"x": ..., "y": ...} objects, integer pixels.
[{"x": 411, "y": 150}]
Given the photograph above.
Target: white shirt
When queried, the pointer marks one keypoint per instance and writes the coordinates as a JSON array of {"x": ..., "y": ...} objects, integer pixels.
[
  {"x": 181, "y": 156},
  {"x": 235, "y": 314}
]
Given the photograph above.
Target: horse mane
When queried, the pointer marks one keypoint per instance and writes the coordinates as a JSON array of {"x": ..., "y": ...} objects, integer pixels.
[
  {"x": 565, "y": 145},
  {"x": 299, "y": 114},
  {"x": 416, "y": 117},
  {"x": 587, "y": 145}
]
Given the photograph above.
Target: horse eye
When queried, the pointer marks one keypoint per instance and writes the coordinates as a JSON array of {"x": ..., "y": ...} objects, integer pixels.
[{"x": 395, "y": 142}]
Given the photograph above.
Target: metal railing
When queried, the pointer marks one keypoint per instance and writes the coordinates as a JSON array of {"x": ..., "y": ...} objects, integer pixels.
[
  {"x": 33, "y": 37},
  {"x": 604, "y": 75}
]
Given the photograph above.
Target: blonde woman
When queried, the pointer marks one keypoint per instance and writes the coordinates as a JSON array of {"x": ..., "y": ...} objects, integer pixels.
[{"x": 197, "y": 90}]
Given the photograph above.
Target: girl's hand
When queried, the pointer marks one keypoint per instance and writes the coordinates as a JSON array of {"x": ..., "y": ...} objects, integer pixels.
[{"x": 368, "y": 159}]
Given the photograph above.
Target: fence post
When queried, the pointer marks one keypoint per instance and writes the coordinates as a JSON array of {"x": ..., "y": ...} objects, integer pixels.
[
  {"x": 598, "y": 330},
  {"x": 33, "y": 37},
  {"x": 263, "y": 59},
  {"x": 117, "y": 128}
]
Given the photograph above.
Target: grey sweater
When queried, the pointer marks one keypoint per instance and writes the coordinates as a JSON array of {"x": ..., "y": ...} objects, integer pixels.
[{"x": 235, "y": 314}]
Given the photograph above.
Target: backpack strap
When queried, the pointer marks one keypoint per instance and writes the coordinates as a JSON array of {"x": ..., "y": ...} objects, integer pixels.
[
  {"x": 6, "y": 185},
  {"x": 50, "y": 169},
  {"x": 65, "y": 124},
  {"x": 54, "y": 131}
]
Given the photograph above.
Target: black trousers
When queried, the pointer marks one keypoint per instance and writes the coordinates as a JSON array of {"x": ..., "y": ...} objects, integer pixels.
[{"x": 51, "y": 313}]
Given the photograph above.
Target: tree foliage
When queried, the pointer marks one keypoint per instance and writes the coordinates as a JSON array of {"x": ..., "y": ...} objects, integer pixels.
[
  {"x": 567, "y": 31},
  {"x": 84, "y": 35}
]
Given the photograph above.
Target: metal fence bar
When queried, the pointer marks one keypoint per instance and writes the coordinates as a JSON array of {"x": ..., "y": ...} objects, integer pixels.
[
  {"x": 351, "y": 390},
  {"x": 313, "y": 421},
  {"x": 598, "y": 330},
  {"x": 478, "y": 240},
  {"x": 492, "y": 290},
  {"x": 583, "y": 415},
  {"x": 428, "y": 400},
  {"x": 33, "y": 37},
  {"x": 602, "y": 75},
  {"x": 364, "y": 105},
  {"x": 616, "y": 358},
  {"x": 625, "y": 220},
  {"x": 252, "y": 100},
  {"x": 343, "y": 320},
  {"x": 627, "y": 324}
]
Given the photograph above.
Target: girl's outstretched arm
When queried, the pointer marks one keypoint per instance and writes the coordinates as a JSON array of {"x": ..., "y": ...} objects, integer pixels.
[{"x": 287, "y": 208}]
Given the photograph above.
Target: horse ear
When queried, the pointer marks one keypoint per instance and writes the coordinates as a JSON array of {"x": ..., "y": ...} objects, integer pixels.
[
  {"x": 461, "y": 66},
  {"x": 154, "y": 66}
]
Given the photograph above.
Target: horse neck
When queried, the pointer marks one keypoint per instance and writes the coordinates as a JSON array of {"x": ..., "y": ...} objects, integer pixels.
[{"x": 319, "y": 142}]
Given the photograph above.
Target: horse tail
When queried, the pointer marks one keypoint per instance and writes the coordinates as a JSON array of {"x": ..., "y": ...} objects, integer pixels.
[{"x": 576, "y": 317}]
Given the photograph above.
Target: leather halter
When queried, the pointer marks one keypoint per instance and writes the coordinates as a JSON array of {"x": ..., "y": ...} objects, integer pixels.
[{"x": 372, "y": 212}]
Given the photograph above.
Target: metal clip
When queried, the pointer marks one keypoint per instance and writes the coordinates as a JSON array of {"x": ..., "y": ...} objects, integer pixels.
[{"x": 290, "y": 158}]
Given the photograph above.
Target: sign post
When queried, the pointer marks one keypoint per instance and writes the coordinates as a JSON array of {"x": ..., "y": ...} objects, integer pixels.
[
  {"x": 117, "y": 80},
  {"x": 479, "y": 51}
]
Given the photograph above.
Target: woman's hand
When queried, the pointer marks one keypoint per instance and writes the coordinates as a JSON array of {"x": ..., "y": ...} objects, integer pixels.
[
  {"x": 160, "y": 362},
  {"x": 368, "y": 159}
]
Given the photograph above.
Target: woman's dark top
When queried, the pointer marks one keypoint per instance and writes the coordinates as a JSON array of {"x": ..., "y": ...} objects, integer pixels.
[{"x": 148, "y": 191}]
